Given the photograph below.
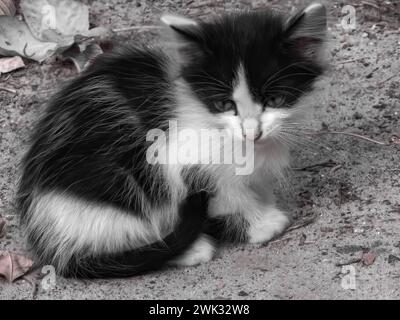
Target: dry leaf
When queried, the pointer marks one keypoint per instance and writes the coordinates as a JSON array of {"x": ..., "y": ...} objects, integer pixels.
[
  {"x": 17, "y": 39},
  {"x": 10, "y": 64},
  {"x": 13, "y": 266},
  {"x": 65, "y": 18},
  {"x": 7, "y": 8},
  {"x": 82, "y": 56},
  {"x": 49, "y": 27},
  {"x": 368, "y": 258},
  {"x": 63, "y": 22},
  {"x": 2, "y": 227}
]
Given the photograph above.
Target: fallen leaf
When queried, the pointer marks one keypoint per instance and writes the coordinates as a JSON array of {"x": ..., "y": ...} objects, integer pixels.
[
  {"x": 10, "y": 64},
  {"x": 17, "y": 39},
  {"x": 66, "y": 18},
  {"x": 63, "y": 22},
  {"x": 7, "y": 8},
  {"x": 2, "y": 227},
  {"x": 368, "y": 258},
  {"x": 50, "y": 27},
  {"x": 13, "y": 266},
  {"x": 82, "y": 56}
]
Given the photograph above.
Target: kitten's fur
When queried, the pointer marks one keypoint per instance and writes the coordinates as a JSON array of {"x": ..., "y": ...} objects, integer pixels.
[{"x": 91, "y": 203}]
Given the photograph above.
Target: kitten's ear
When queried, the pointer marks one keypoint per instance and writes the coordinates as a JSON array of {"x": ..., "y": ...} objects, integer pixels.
[
  {"x": 185, "y": 28},
  {"x": 306, "y": 31}
]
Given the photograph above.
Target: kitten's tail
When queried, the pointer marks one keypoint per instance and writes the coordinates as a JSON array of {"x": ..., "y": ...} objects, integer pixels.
[{"x": 192, "y": 215}]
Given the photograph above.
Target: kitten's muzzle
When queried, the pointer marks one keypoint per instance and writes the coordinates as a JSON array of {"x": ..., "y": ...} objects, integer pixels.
[{"x": 251, "y": 129}]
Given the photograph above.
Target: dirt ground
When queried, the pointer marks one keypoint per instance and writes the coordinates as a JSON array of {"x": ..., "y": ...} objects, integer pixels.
[{"x": 345, "y": 191}]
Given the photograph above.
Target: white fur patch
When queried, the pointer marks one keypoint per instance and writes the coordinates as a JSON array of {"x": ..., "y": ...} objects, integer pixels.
[
  {"x": 201, "y": 251},
  {"x": 271, "y": 120},
  {"x": 264, "y": 228},
  {"x": 247, "y": 108},
  {"x": 233, "y": 197},
  {"x": 68, "y": 225}
]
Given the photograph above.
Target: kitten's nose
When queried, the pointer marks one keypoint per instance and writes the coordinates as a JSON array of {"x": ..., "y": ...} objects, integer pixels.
[
  {"x": 251, "y": 129},
  {"x": 254, "y": 136}
]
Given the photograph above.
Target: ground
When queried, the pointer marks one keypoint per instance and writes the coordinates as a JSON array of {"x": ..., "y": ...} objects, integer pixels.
[{"x": 344, "y": 191}]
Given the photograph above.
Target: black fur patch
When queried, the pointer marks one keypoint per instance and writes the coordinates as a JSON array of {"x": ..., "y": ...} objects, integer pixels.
[
  {"x": 273, "y": 63},
  {"x": 91, "y": 141}
]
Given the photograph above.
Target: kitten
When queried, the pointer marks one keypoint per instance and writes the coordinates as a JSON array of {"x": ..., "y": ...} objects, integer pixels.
[{"x": 93, "y": 206}]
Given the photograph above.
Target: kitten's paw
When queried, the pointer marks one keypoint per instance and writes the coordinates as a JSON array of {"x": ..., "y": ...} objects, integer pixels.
[
  {"x": 273, "y": 223},
  {"x": 201, "y": 251}
]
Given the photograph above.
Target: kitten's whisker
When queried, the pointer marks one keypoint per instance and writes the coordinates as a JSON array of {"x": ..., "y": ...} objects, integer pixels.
[
  {"x": 297, "y": 143},
  {"x": 305, "y": 140},
  {"x": 282, "y": 92},
  {"x": 290, "y": 88},
  {"x": 265, "y": 87},
  {"x": 277, "y": 73},
  {"x": 212, "y": 81},
  {"x": 207, "y": 75}
]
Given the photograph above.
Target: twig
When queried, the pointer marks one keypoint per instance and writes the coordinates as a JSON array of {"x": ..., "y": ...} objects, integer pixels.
[
  {"x": 373, "y": 5},
  {"x": 329, "y": 163},
  {"x": 386, "y": 80},
  {"x": 352, "y": 261},
  {"x": 349, "y": 61},
  {"x": 8, "y": 90},
  {"x": 393, "y": 31},
  {"x": 302, "y": 224},
  {"x": 278, "y": 240},
  {"x": 137, "y": 28},
  {"x": 355, "y": 135},
  {"x": 25, "y": 53},
  {"x": 335, "y": 168},
  {"x": 299, "y": 225}
]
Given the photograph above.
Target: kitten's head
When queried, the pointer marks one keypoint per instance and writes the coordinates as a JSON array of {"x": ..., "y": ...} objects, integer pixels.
[{"x": 250, "y": 69}]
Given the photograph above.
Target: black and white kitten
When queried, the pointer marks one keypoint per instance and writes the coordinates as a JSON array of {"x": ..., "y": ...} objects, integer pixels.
[{"x": 92, "y": 204}]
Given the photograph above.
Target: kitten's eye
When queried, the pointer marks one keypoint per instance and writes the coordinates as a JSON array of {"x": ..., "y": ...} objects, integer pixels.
[
  {"x": 275, "y": 102},
  {"x": 225, "y": 105}
]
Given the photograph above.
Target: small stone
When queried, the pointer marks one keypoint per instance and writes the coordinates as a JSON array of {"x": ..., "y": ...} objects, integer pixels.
[
  {"x": 242, "y": 293},
  {"x": 393, "y": 259},
  {"x": 326, "y": 229},
  {"x": 368, "y": 258},
  {"x": 357, "y": 115}
]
